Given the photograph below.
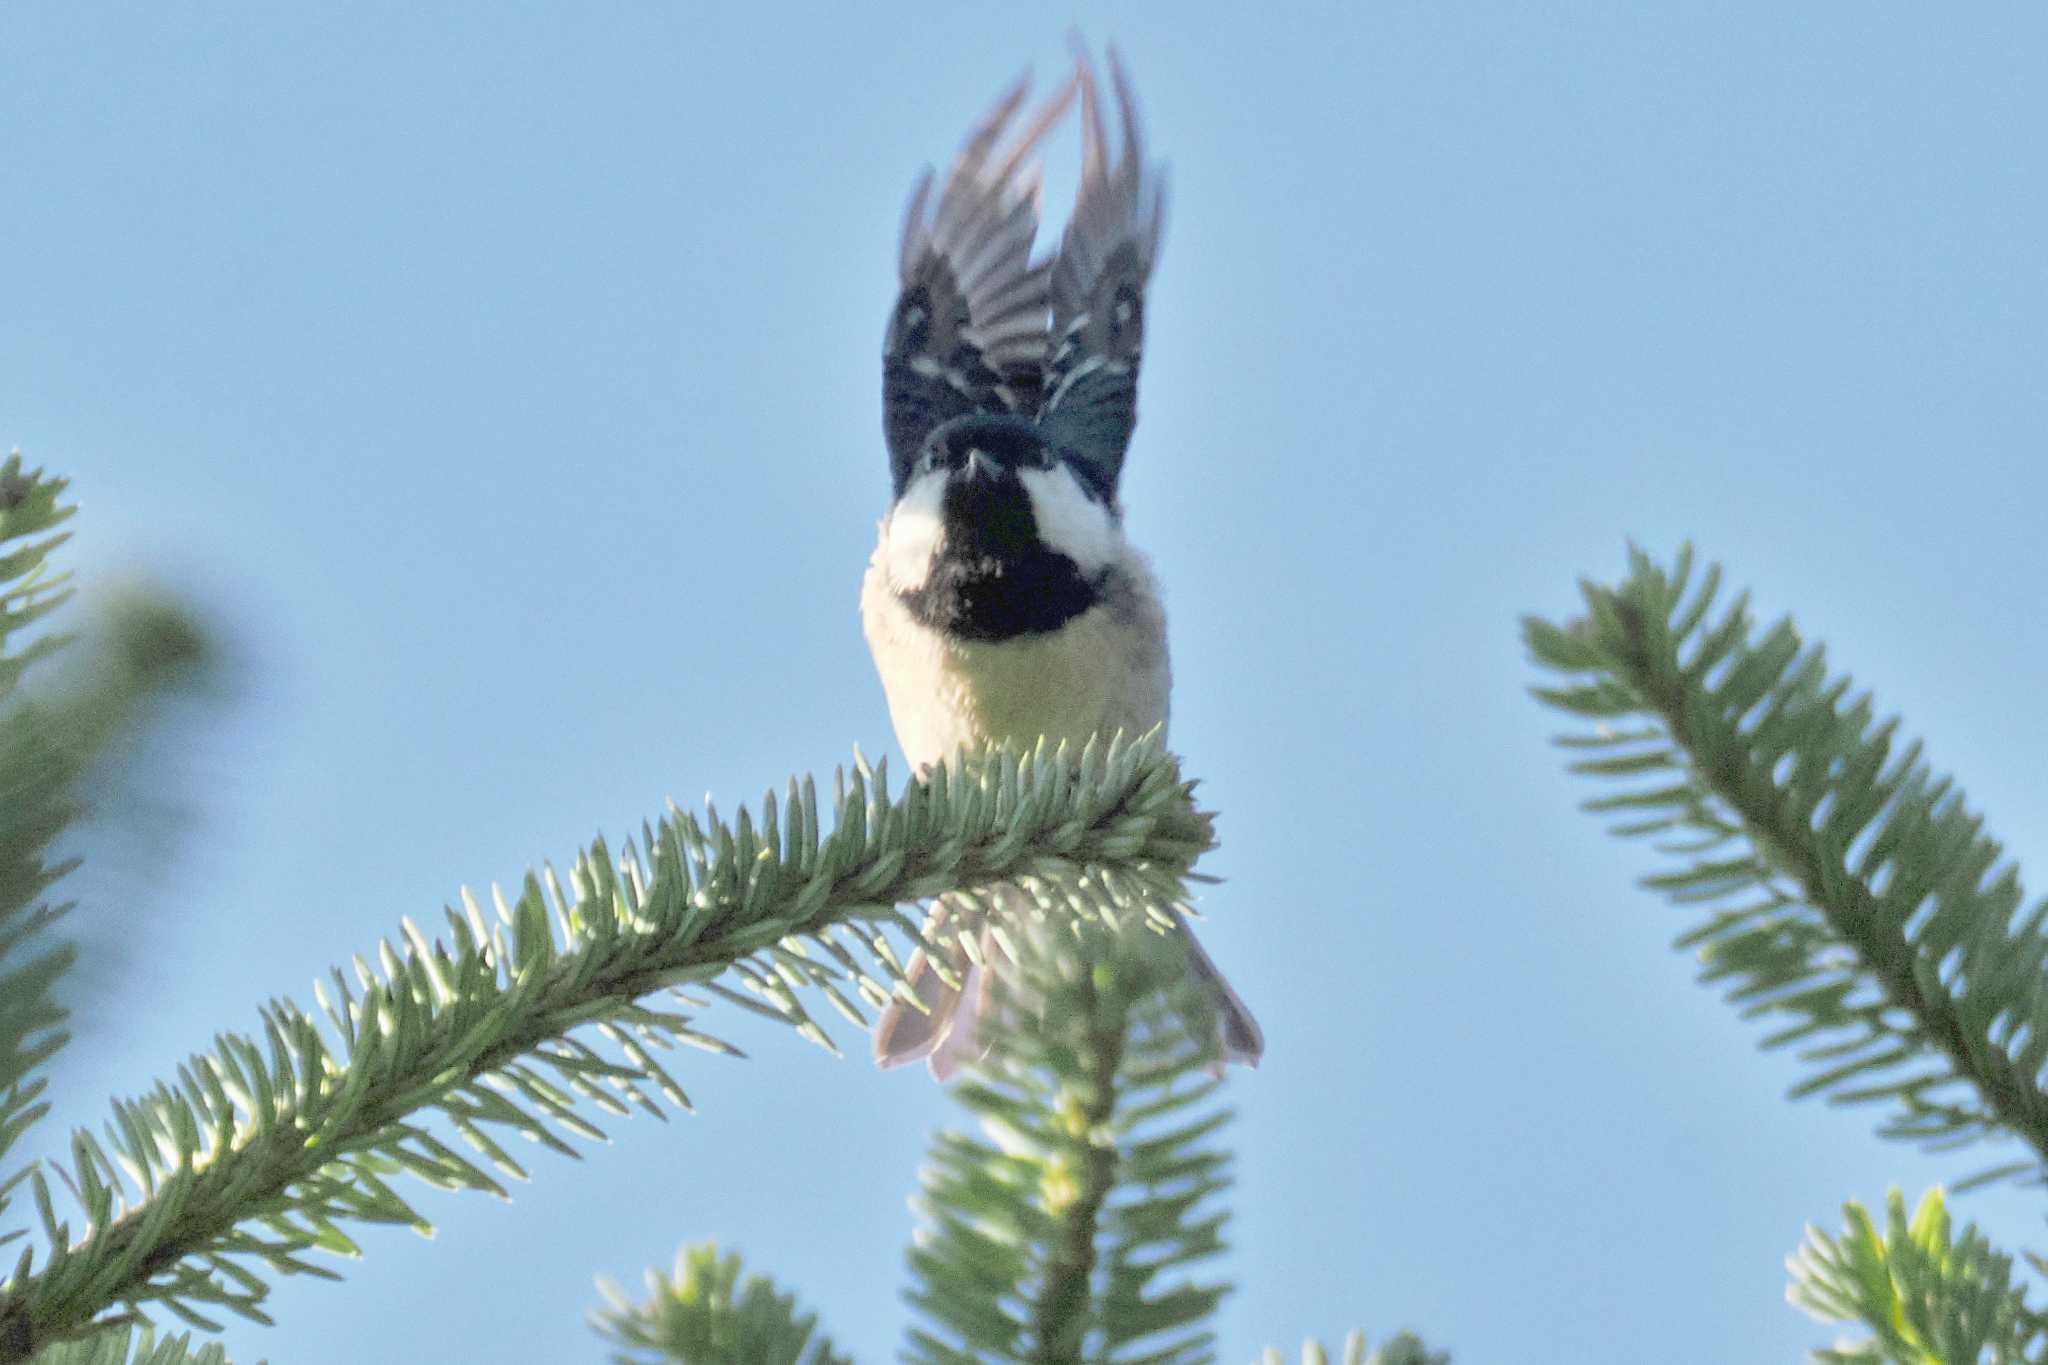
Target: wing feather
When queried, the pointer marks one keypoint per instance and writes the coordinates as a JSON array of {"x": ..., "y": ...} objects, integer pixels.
[
  {"x": 968, "y": 330},
  {"x": 1097, "y": 289}
]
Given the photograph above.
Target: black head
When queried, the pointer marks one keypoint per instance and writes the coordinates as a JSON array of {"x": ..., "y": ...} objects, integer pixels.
[{"x": 1003, "y": 443}]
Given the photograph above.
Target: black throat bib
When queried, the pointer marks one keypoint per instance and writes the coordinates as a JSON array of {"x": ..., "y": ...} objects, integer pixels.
[{"x": 994, "y": 579}]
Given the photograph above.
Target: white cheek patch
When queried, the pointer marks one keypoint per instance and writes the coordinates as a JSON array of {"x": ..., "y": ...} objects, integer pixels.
[
  {"x": 1069, "y": 520},
  {"x": 916, "y": 526}
]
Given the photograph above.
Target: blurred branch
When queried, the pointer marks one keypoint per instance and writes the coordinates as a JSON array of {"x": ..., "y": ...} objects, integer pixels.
[
  {"x": 1405, "y": 1349},
  {"x": 47, "y": 746},
  {"x": 701, "y": 1315},
  {"x": 1064, "y": 1236},
  {"x": 1853, "y": 896},
  {"x": 132, "y": 1346},
  {"x": 41, "y": 756},
  {"x": 1929, "y": 1296},
  {"x": 137, "y": 797}
]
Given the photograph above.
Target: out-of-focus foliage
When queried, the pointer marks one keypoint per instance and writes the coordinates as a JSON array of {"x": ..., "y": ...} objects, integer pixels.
[
  {"x": 132, "y": 1346},
  {"x": 49, "y": 741},
  {"x": 1067, "y": 1231},
  {"x": 1929, "y": 1294},
  {"x": 1405, "y": 1349},
  {"x": 702, "y": 1314},
  {"x": 1849, "y": 894}
]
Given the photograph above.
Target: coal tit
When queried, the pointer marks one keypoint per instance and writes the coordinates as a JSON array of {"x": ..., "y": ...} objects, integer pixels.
[{"x": 1003, "y": 601}]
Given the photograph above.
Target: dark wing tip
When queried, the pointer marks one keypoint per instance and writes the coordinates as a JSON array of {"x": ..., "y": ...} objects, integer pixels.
[
  {"x": 1100, "y": 275},
  {"x": 911, "y": 242},
  {"x": 968, "y": 332}
]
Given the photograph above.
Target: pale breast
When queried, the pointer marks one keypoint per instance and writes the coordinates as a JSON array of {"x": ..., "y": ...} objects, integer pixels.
[{"x": 1106, "y": 669}]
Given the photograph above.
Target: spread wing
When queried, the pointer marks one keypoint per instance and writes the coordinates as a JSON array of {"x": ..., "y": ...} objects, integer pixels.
[
  {"x": 968, "y": 331},
  {"x": 1097, "y": 290}
]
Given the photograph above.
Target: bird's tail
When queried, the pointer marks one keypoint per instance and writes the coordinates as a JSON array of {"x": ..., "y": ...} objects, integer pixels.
[
  {"x": 1238, "y": 1036},
  {"x": 946, "y": 1033}
]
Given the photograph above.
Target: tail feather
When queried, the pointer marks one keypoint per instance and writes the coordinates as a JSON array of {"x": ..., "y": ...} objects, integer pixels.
[
  {"x": 946, "y": 1033},
  {"x": 905, "y": 1033},
  {"x": 1238, "y": 1036},
  {"x": 963, "y": 1043}
]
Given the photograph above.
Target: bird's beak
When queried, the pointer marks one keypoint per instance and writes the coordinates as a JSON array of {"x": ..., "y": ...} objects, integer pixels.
[{"x": 978, "y": 466}]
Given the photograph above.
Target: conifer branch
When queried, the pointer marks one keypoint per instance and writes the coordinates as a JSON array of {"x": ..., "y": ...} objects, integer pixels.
[
  {"x": 1853, "y": 894},
  {"x": 265, "y": 1148},
  {"x": 701, "y": 1314},
  {"x": 130, "y": 1345},
  {"x": 1060, "y": 1314},
  {"x": 1929, "y": 1295},
  {"x": 1065, "y": 1236},
  {"x": 37, "y": 773},
  {"x": 47, "y": 745},
  {"x": 1405, "y": 1349}
]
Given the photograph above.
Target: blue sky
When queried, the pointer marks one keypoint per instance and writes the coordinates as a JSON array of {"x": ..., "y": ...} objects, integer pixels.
[{"x": 505, "y": 380}]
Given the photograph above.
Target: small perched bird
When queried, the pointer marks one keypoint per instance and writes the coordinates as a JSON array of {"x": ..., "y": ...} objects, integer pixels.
[{"x": 1003, "y": 601}]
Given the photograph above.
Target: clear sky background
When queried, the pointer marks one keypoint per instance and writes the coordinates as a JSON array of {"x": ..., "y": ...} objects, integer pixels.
[{"x": 505, "y": 380}]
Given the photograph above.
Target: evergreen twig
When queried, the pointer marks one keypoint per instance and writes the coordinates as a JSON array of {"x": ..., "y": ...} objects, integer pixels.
[
  {"x": 702, "y": 1314},
  {"x": 1931, "y": 1295},
  {"x": 1850, "y": 892},
  {"x": 1066, "y": 1235},
  {"x": 266, "y": 1147}
]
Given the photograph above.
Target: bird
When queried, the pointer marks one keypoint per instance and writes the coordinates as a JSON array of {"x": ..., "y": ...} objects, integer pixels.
[{"x": 1003, "y": 601}]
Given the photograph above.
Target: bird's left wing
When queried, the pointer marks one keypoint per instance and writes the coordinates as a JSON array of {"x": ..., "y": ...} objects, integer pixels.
[
  {"x": 1097, "y": 291},
  {"x": 968, "y": 333}
]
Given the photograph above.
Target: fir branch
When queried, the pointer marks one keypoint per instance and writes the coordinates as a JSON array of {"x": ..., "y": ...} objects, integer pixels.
[
  {"x": 701, "y": 1315},
  {"x": 1851, "y": 892},
  {"x": 1405, "y": 1349},
  {"x": 1065, "y": 1236},
  {"x": 1060, "y": 1312},
  {"x": 29, "y": 590},
  {"x": 1929, "y": 1296},
  {"x": 46, "y": 747},
  {"x": 265, "y": 1148},
  {"x": 129, "y": 1345},
  {"x": 37, "y": 772}
]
